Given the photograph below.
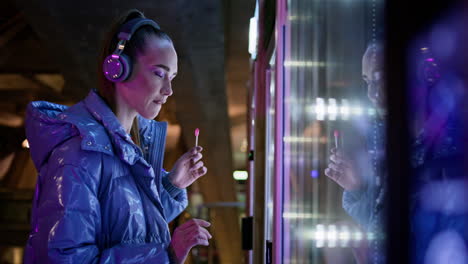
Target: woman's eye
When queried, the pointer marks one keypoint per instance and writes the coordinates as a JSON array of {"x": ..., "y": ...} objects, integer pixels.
[{"x": 159, "y": 74}]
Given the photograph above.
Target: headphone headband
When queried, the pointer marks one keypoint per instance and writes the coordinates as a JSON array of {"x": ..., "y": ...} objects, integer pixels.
[{"x": 133, "y": 25}]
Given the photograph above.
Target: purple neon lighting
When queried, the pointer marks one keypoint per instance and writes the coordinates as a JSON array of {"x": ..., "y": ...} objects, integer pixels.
[
  {"x": 115, "y": 56},
  {"x": 314, "y": 174}
]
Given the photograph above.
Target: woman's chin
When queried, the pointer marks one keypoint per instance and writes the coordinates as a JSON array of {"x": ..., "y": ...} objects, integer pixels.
[{"x": 150, "y": 115}]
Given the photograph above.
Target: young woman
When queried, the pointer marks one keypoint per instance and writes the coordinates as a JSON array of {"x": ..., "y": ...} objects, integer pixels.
[{"x": 102, "y": 195}]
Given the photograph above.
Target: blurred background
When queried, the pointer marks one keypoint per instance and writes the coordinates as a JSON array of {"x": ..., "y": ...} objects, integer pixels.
[{"x": 274, "y": 86}]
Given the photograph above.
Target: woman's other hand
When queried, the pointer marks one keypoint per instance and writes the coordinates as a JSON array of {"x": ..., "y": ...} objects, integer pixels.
[
  {"x": 188, "y": 168},
  {"x": 342, "y": 171},
  {"x": 190, "y": 234}
]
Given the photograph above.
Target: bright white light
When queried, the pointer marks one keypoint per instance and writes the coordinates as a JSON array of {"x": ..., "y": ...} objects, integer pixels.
[
  {"x": 332, "y": 236},
  {"x": 344, "y": 109},
  {"x": 344, "y": 236},
  {"x": 270, "y": 204},
  {"x": 253, "y": 37},
  {"x": 319, "y": 236},
  {"x": 25, "y": 144},
  {"x": 240, "y": 175},
  {"x": 290, "y": 215},
  {"x": 297, "y": 139},
  {"x": 332, "y": 109},
  {"x": 319, "y": 232},
  {"x": 329, "y": 108},
  {"x": 299, "y": 18},
  {"x": 320, "y": 108},
  {"x": 304, "y": 64},
  {"x": 370, "y": 236}
]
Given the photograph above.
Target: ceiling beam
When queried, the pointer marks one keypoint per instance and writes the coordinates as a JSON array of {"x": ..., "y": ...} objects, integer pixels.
[{"x": 11, "y": 28}]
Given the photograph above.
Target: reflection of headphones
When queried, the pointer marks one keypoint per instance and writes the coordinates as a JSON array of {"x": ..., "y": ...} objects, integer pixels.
[
  {"x": 428, "y": 68},
  {"x": 117, "y": 67}
]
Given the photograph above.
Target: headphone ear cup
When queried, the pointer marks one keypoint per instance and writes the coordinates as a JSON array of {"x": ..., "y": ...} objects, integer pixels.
[
  {"x": 127, "y": 67},
  {"x": 117, "y": 68}
]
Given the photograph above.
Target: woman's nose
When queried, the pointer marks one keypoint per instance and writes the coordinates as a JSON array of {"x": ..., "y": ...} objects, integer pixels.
[{"x": 167, "y": 89}]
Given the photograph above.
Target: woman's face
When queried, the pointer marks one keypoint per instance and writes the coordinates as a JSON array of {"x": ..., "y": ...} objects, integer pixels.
[
  {"x": 373, "y": 75},
  {"x": 149, "y": 86}
]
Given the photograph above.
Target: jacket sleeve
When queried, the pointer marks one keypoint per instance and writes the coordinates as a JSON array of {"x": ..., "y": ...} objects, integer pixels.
[
  {"x": 69, "y": 222},
  {"x": 173, "y": 199},
  {"x": 358, "y": 205}
]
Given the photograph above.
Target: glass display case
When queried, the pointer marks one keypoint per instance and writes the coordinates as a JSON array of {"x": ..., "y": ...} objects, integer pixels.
[
  {"x": 334, "y": 123},
  {"x": 324, "y": 134},
  {"x": 364, "y": 132}
]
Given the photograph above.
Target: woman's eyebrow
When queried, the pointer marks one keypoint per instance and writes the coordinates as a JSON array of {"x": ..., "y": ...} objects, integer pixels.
[{"x": 164, "y": 67}]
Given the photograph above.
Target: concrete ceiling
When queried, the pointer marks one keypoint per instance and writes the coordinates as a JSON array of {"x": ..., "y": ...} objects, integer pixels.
[{"x": 48, "y": 51}]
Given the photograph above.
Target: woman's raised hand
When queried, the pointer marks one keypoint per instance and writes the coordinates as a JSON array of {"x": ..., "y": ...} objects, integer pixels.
[
  {"x": 188, "y": 168},
  {"x": 341, "y": 170}
]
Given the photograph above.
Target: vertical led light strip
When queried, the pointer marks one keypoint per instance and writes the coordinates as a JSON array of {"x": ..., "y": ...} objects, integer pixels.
[
  {"x": 281, "y": 176},
  {"x": 268, "y": 176},
  {"x": 251, "y": 171},
  {"x": 375, "y": 256}
]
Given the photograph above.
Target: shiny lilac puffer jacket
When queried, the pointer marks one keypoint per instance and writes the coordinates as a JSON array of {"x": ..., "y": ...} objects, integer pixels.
[{"x": 99, "y": 198}]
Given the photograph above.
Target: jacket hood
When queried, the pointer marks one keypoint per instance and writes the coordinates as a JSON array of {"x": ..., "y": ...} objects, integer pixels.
[
  {"x": 45, "y": 129},
  {"x": 49, "y": 124}
]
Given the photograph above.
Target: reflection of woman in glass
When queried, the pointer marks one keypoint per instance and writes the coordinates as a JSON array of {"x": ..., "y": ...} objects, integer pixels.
[
  {"x": 438, "y": 216},
  {"x": 363, "y": 194}
]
